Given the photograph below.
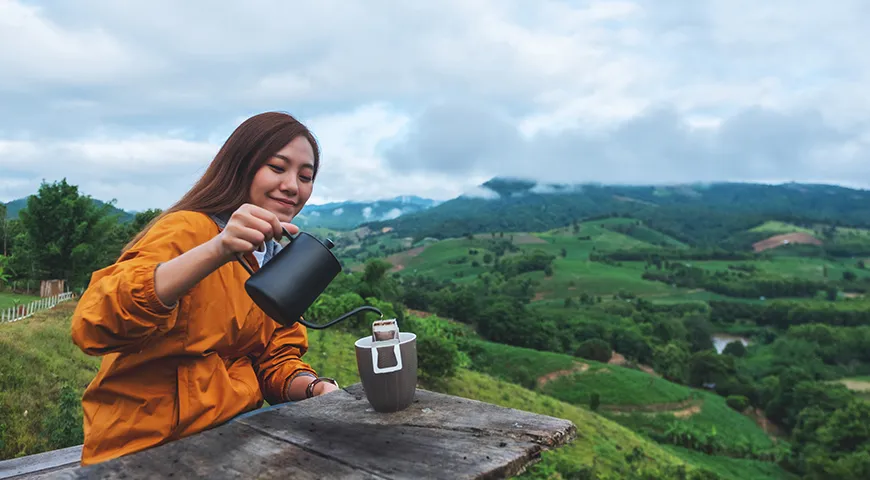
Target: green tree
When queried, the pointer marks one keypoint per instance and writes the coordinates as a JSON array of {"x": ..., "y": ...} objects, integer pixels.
[
  {"x": 64, "y": 233},
  {"x": 672, "y": 361},
  {"x": 594, "y": 349},
  {"x": 735, "y": 349}
]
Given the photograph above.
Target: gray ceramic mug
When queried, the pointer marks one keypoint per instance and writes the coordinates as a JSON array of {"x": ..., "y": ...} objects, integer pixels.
[{"x": 388, "y": 373}]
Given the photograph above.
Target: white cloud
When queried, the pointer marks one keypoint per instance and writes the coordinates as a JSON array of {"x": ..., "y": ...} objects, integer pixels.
[
  {"x": 393, "y": 213},
  {"x": 130, "y": 100}
]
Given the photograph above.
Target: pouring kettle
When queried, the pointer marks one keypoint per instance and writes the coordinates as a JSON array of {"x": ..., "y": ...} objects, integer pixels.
[{"x": 292, "y": 280}]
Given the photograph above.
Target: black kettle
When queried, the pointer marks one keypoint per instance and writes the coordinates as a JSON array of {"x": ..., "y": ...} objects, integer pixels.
[{"x": 292, "y": 280}]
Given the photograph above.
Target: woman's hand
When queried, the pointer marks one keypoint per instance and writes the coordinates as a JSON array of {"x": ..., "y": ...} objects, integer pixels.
[
  {"x": 248, "y": 228},
  {"x": 323, "y": 387}
]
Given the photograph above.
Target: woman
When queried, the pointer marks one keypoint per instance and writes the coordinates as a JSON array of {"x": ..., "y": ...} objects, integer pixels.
[{"x": 184, "y": 347}]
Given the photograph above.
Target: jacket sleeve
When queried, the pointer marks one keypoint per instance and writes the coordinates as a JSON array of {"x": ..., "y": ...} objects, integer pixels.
[
  {"x": 120, "y": 310},
  {"x": 281, "y": 361}
]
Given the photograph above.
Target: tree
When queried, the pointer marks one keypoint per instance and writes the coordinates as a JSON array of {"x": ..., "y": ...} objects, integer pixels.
[
  {"x": 3, "y": 236},
  {"x": 735, "y": 348},
  {"x": 64, "y": 233}
]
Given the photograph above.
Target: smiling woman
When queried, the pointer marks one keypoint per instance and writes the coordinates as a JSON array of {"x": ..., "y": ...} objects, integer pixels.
[{"x": 185, "y": 347}]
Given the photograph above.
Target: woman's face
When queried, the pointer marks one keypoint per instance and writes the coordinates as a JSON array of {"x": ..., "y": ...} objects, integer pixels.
[{"x": 284, "y": 183}]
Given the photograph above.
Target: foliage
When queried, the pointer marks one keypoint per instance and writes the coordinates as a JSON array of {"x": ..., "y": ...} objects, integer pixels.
[
  {"x": 438, "y": 359},
  {"x": 64, "y": 233},
  {"x": 737, "y": 402},
  {"x": 595, "y": 349}
]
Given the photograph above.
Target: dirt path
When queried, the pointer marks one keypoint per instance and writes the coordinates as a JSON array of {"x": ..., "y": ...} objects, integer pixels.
[
  {"x": 856, "y": 385},
  {"x": 772, "y": 431},
  {"x": 578, "y": 368},
  {"x": 682, "y": 410},
  {"x": 619, "y": 359},
  {"x": 780, "y": 240},
  {"x": 400, "y": 259}
]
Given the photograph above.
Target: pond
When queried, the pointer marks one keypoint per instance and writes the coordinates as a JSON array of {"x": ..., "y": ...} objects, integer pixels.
[{"x": 720, "y": 340}]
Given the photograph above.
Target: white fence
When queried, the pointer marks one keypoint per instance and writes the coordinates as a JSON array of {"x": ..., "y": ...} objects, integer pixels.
[{"x": 25, "y": 310}]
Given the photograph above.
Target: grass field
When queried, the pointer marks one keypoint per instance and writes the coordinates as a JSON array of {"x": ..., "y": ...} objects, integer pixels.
[
  {"x": 37, "y": 357},
  {"x": 715, "y": 418},
  {"x": 11, "y": 299},
  {"x": 614, "y": 384},
  {"x": 775, "y": 228}
]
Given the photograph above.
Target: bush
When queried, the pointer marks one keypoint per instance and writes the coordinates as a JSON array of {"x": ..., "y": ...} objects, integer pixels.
[
  {"x": 735, "y": 348},
  {"x": 594, "y": 401},
  {"x": 737, "y": 402},
  {"x": 595, "y": 349},
  {"x": 438, "y": 358}
]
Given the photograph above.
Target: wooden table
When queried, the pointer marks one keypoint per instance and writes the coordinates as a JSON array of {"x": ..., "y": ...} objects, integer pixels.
[{"x": 338, "y": 435}]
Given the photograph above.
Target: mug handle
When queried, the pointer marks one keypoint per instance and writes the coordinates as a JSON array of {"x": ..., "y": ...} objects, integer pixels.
[{"x": 398, "y": 366}]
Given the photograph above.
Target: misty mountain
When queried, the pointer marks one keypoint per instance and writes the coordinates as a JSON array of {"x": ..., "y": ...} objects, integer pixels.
[
  {"x": 348, "y": 215},
  {"x": 700, "y": 214}
]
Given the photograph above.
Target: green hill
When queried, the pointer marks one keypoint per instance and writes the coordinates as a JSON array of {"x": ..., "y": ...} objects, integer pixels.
[
  {"x": 700, "y": 215},
  {"x": 44, "y": 375}
]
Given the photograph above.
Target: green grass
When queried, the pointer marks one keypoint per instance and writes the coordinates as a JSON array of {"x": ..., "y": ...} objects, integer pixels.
[
  {"x": 616, "y": 385},
  {"x": 774, "y": 227},
  {"x": 733, "y": 468},
  {"x": 11, "y": 299},
  {"x": 37, "y": 357},
  {"x": 598, "y": 442},
  {"x": 731, "y": 427}
]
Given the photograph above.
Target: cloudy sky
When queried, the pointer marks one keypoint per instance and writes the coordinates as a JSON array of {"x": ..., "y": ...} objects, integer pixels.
[{"x": 130, "y": 100}]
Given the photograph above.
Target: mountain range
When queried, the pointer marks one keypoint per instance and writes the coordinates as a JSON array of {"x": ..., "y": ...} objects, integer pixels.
[
  {"x": 698, "y": 214},
  {"x": 693, "y": 213},
  {"x": 336, "y": 215}
]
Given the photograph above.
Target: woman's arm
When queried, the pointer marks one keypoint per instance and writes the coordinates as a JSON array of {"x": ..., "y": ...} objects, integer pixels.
[
  {"x": 248, "y": 228},
  {"x": 135, "y": 299}
]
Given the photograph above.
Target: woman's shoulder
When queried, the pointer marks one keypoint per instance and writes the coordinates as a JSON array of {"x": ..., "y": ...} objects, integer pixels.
[{"x": 183, "y": 226}]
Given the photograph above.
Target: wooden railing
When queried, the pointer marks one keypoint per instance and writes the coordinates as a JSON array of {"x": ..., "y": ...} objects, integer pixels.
[{"x": 19, "y": 312}]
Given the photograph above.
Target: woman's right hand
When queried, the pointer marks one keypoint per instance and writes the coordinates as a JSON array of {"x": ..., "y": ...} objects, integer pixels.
[{"x": 248, "y": 228}]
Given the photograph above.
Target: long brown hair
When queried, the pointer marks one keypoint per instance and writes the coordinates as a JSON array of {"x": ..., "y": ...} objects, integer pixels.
[{"x": 224, "y": 185}]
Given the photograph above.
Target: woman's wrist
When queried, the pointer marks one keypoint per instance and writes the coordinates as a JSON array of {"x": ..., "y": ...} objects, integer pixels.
[{"x": 296, "y": 387}]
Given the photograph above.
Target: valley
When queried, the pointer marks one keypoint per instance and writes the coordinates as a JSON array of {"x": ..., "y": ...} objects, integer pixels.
[{"x": 688, "y": 332}]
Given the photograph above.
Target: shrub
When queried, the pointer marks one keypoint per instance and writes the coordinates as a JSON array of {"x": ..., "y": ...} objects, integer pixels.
[
  {"x": 595, "y": 349},
  {"x": 438, "y": 358},
  {"x": 737, "y": 402}
]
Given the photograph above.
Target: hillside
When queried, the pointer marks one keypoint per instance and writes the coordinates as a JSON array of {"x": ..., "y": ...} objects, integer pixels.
[
  {"x": 41, "y": 412},
  {"x": 700, "y": 215}
]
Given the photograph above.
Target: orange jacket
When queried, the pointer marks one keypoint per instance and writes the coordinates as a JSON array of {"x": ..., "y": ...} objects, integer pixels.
[{"x": 169, "y": 373}]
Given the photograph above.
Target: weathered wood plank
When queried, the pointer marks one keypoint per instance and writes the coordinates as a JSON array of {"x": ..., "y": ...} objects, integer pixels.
[
  {"x": 229, "y": 451},
  {"x": 439, "y": 436},
  {"x": 18, "y": 468},
  {"x": 339, "y": 436}
]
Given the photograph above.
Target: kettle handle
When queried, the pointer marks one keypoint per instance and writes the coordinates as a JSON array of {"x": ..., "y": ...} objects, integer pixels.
[{"x": 245, "y": 263}]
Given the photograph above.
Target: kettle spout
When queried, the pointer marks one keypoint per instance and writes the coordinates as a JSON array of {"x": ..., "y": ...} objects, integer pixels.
[{"x": 343, "y": 317}]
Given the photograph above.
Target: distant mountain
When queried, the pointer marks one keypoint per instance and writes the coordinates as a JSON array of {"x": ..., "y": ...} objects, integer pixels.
[
  {"x": 15, "y": 206},
  {"x": 698, "y": 214},
  {"x": 348, "y": 215}
]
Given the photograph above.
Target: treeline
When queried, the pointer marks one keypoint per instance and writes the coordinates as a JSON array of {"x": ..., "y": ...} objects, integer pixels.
[
  {"x": 660, "y": 255},
  {"x": 736, "y": 282},
  {"x": 62, "y": 234},
  {"x": 782, "y": 314}
]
